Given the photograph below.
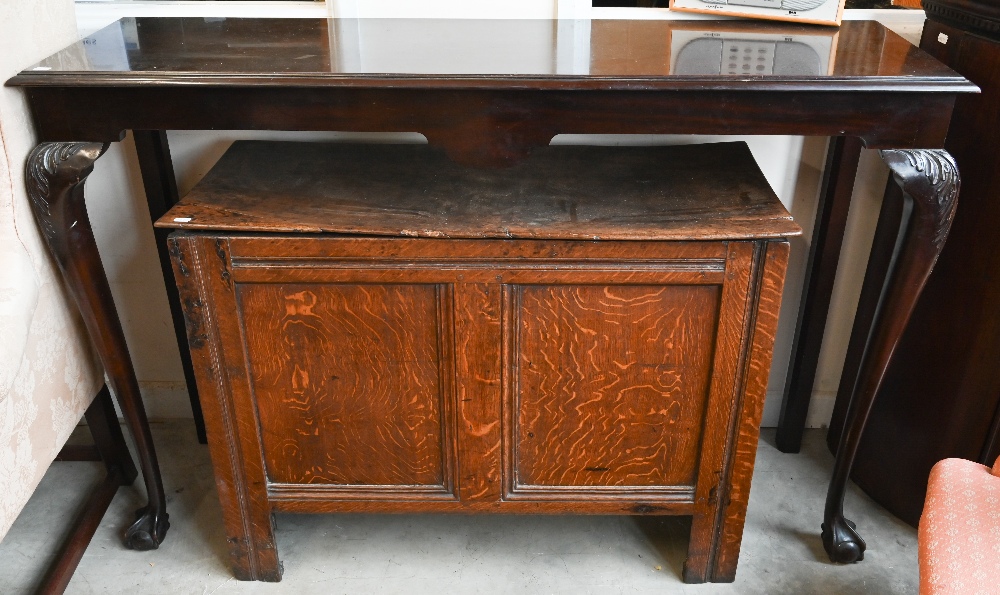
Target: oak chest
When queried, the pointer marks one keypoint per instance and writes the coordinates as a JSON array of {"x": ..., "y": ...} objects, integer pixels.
[{"x": 378, "y": 329}]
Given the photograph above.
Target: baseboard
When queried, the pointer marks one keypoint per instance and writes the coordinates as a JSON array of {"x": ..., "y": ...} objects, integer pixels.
[
  {"x": 162, "y": 400},
  {"x": 820, "y": 409}
]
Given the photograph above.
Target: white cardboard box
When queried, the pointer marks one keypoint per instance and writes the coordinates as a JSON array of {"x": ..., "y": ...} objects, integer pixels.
[{"x": 820, "y": 12}]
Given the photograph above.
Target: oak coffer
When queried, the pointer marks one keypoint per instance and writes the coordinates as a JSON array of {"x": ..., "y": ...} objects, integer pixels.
[{"x": 376, "y": 328}]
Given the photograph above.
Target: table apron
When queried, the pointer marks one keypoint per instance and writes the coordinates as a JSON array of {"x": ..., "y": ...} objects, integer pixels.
[{"x": 493, "y": 126}]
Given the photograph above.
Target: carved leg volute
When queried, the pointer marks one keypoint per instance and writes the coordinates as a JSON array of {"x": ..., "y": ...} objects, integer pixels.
[
  {"x": 55, "y": 176},
  {"x": 929, "y": 180}
]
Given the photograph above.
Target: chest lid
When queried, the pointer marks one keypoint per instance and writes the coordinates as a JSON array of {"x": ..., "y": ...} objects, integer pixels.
[{"x": 693, "y": 192}]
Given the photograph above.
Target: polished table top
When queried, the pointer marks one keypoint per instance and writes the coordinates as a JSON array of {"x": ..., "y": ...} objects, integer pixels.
[{"x": 523, "y": 54}]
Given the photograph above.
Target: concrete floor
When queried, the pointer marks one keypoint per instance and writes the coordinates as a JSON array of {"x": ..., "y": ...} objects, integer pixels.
[{"x": 412, "y": 554}]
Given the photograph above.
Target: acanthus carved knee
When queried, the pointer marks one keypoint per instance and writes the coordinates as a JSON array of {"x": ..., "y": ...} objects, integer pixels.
[
  {"x": 931, "y": 177},
  {"x": 53, "y": 171}
]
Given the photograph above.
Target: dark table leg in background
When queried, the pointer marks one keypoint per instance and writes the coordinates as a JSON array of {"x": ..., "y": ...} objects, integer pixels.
[
  {"x": 883, "y": 245},
  {"x": 929, "y": 180},
  {"x": 821, "y": 270},
  {"x": 110, "y": 447},
  {"x": 161, "y": 194},
  {"x": 54, "y": 176}
]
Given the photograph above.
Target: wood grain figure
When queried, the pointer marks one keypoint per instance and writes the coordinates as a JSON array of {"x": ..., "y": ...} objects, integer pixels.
[{"x": 611, "y": 383}]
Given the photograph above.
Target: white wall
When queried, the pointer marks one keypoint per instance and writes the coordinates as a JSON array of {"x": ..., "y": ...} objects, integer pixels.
[{"x": 791, "y": 164}]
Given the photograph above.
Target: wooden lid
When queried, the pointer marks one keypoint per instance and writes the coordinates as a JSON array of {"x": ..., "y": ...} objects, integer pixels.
[{"x": 700, "y": 192}]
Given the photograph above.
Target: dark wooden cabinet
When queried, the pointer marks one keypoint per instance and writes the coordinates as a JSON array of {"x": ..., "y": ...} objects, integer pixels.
[
  {"x": 589, "y": 332},
  {"x": 941, "y": 393}
]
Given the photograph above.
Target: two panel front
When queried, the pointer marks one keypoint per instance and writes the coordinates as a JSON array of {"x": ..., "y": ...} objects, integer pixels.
[{"x": 497, "y": 385}]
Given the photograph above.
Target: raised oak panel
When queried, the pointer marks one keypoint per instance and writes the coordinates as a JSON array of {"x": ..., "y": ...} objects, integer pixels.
[
  {"x": 610, "y": 383},
  {"x": 349, "y": 382}
]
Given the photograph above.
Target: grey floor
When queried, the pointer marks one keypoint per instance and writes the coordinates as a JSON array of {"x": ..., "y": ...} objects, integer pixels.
[{"x": 415, "y": 554}]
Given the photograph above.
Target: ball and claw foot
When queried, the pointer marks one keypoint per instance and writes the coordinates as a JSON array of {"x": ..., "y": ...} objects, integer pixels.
[
  {"x": 148, "y": 531},
  {"x": 842, "y": 542}
]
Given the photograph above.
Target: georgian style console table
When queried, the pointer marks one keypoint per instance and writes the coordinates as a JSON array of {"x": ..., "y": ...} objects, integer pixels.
[{"x": 488, "y": 92}]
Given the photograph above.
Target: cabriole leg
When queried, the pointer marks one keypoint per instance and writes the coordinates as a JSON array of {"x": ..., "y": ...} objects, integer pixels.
[
  {"x": 55, "y": 176},
  {"x": 929, "y": 181}
]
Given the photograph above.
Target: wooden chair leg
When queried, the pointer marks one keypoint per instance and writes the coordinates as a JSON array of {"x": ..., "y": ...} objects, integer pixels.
[{"x": 110, "y": 446}]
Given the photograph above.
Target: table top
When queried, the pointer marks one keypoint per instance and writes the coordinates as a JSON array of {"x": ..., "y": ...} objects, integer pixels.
[{"x": 514, "y": 54}]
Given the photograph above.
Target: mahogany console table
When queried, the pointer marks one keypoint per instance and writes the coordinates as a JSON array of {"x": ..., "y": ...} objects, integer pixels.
[{"x": 488, "y": 92}]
